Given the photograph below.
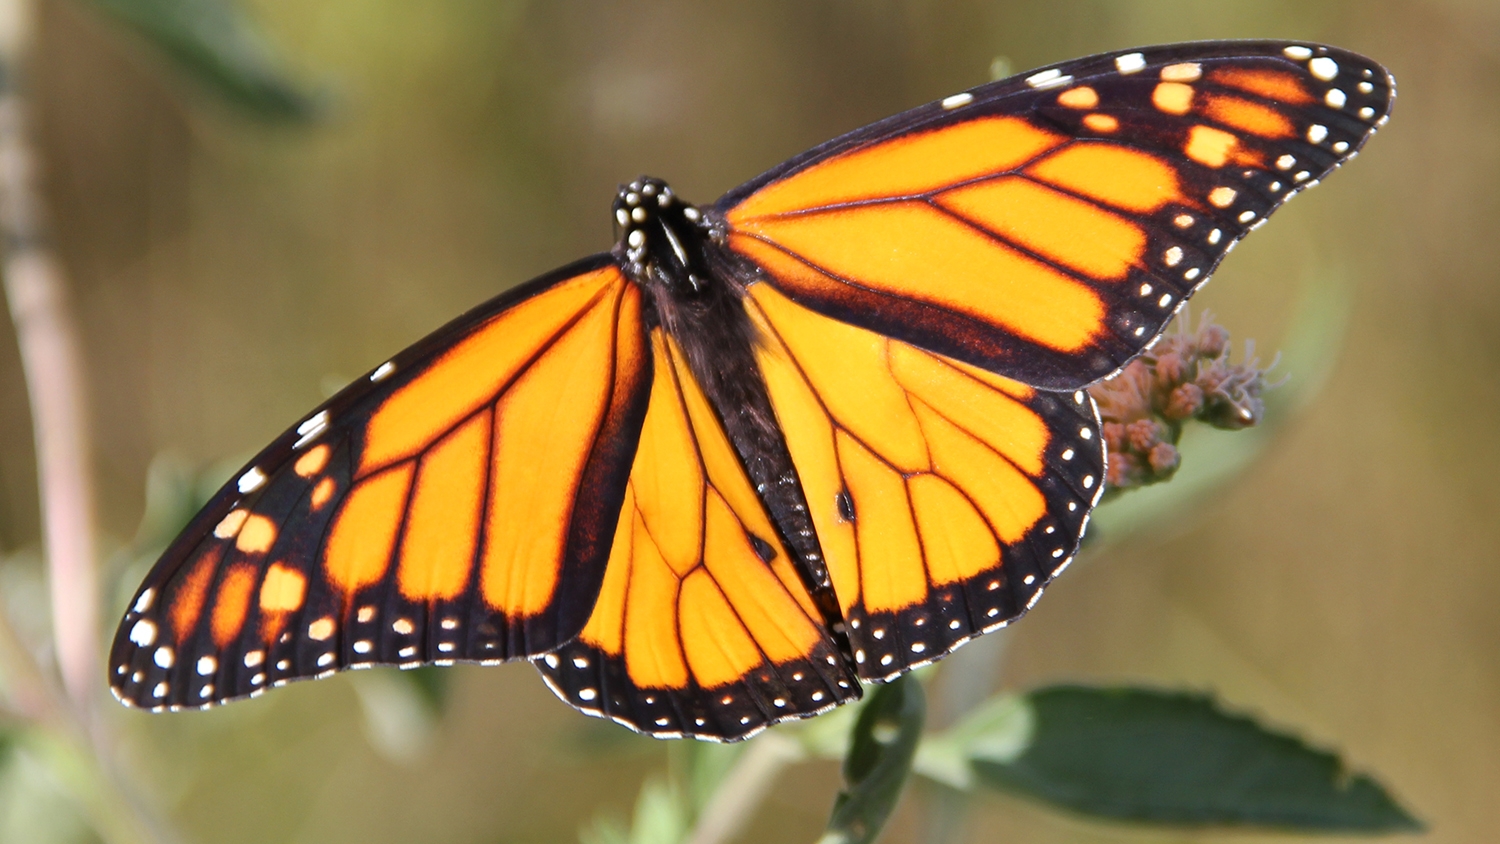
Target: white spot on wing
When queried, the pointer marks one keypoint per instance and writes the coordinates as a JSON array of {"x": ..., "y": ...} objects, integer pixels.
[
  {"x": 1130, "y": 63},
  {"x": 252, "y": 480},
  {"x": 315, "y": 422},
  {"x": 1323, "y": 68},
  {"x": 383, "y": 371},
  {"x": 143, "y": 633},
  {"x": 1301, "y": 54},
  {"x": 958, "y": 100},
  {"x": 1052, "y": 78},
  {"x": 143, "y": 603}
]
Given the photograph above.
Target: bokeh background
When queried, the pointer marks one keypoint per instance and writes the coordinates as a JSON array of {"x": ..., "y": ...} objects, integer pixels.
[{"x": 228, "y": 272}]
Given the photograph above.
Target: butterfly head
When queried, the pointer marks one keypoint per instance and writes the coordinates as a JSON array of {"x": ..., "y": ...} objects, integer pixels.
[{"x": 661, "y": 236}]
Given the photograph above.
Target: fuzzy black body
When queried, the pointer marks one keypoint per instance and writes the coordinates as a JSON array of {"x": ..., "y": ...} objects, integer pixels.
[{"x": 674, "y": 251}]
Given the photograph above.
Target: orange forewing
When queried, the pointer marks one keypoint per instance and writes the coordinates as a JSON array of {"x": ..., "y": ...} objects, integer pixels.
[
  {"x": 1047, "y": 227},
  {"x": 408, "y": 520}
]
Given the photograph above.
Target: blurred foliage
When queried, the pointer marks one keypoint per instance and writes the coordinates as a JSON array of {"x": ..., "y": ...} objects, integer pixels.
[{"x": 215, "y": 43}]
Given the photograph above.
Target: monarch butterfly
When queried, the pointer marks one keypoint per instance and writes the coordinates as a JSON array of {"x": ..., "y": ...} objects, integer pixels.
[{"x": 820, "y": 432}]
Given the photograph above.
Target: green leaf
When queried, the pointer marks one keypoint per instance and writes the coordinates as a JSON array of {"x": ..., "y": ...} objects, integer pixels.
[
  {"x": 1177, "y": 758},
  {"x": 215, "y": 43},
  {"x": 880, "y": 755}
]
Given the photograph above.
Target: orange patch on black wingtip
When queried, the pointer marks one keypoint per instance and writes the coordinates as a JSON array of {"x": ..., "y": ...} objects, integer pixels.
[
  {"x": 1252, "y": 117},
  {"x": 1173, "y": 97},
  {"x": 1271, "y": 84},
  {"x": 1080, "y": 97},
  {"x": 1209, "y": 146},
  {"x": 312, "y": 462},
  {"x": 321, "y": 493},
  {"x": 256, "y": 535},
  {"x": 186, "y": 603},
  {"x": 281, "y": 593},
  {"x": 232, "y": 603},
  {"x": 1102, "y": 123}
]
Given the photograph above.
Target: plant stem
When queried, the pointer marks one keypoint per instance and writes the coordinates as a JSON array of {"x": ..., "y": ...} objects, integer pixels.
[
  {"x": 76, "y": 748},
  {"x": 51, "y": 360},
  {"x": 743, "y": 788}
]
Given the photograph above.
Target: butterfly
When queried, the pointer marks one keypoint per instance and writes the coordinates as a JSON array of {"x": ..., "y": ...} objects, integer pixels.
[{"x": 818, "y": 433}]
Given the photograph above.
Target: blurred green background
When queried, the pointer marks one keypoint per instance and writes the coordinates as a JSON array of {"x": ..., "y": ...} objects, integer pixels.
[{"x": 228, "y": 272}]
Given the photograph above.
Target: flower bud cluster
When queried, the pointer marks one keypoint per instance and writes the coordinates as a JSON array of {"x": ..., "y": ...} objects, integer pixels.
[{"x": 1186, "y": 375}]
